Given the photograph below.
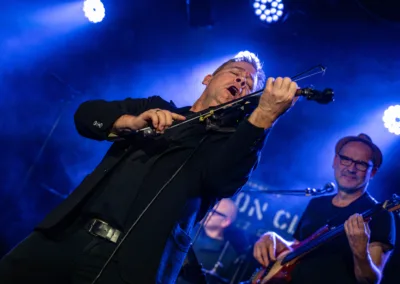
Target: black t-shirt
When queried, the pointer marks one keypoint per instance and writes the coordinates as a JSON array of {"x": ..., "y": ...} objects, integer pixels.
[
  {"x": 333, "y": 261},
  {"x": 208, "y": 253}
]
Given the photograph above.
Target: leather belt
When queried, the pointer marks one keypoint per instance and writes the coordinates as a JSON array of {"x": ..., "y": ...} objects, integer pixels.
[{"x": 102, "y": 229}]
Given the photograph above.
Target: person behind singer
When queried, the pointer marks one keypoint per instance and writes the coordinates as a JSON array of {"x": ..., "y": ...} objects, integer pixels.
[
  {"x": 211, "y": 243},
  {"x": 149, "y": 191},
  {"x": 219, "y": 219},
  {"x": 359, "y": 255}
]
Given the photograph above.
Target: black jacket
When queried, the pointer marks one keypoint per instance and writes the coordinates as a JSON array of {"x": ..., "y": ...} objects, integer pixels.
[{"x": 218, "y": 169}]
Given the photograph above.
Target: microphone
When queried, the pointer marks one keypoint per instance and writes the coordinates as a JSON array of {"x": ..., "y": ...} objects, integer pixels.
[{"x": 328, "y": 187}]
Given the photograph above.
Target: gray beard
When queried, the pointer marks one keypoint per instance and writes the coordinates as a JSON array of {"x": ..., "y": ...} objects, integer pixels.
[{"x": 349, "y": 190}]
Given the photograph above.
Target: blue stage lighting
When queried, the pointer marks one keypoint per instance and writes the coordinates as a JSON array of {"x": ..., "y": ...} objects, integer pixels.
[
  {"x": 268, "y": 10},
  {"x": 391, "y": 119},
  {"x": 94, "y": 10}
]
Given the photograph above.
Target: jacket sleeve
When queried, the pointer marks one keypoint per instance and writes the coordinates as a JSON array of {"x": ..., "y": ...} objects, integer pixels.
[
  {"x": 95, "y": 118},
  {"x": 232, "y": 162}
]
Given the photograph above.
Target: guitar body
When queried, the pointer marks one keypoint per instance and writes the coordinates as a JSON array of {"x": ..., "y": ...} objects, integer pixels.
[
  {"x": 275, "y": 273},
  {"x": 279, "y": 272}
]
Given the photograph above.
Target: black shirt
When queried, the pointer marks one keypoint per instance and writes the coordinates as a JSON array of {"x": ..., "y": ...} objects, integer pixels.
[
  {"x": 157, "y": 244},
  {"x": 209, "y": 252},
  {"x": 333, "y": 261},
  {"x": 116, "y": 195}
]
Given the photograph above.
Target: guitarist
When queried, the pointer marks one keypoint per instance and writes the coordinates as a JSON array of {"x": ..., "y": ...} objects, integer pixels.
[{"x": 358, "y": 256}]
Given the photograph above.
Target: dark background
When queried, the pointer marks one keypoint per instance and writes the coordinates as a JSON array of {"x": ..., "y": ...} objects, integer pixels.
[{"x": 53, "y": 58}]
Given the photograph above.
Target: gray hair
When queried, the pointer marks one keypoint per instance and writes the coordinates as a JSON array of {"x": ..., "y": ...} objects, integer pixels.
[{"x": 249, "y": 57}]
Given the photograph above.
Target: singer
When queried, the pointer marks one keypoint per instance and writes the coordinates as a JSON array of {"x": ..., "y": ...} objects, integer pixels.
[
  {"x": 129, "y": 221},
  {"x": 365, "y": 247}
]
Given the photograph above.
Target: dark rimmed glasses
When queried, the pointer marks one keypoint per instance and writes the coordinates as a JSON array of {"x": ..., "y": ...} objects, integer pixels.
[
  {"x": 360, "y": 165},
  {"x": 213, "y": 211}
]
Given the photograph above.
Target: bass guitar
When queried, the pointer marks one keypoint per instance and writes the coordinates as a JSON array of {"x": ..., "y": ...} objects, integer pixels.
[{"x": 279, "y": 271}]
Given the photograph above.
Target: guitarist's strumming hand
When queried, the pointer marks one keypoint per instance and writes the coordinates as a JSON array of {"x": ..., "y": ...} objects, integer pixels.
[
  {"x": 357, "y": 232},
  {"x": 268, "y": 247}
]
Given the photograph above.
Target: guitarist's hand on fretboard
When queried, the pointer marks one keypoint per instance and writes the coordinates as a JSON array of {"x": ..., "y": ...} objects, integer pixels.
[
  {"x": 357, "y": 232},
  {"x": 356, "y": 228}
]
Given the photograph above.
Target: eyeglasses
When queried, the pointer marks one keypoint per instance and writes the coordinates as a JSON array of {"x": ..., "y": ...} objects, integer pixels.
[
  {"x": 213, "y": 211},
  {"x": 360, "y": 165}
]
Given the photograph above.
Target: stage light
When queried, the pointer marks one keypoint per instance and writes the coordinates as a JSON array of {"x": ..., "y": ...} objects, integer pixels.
[
  {"x": 246, "y": 53},
  {"x": 268, "y": 10},
  {"x": 94, "y": 10},
  {"x": 391, "y": 119}
]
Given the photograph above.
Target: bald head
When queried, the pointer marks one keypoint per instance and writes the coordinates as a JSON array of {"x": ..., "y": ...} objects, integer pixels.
[
  {"x": 228, "y": 208},
  {"x": 220, "y": 218}
]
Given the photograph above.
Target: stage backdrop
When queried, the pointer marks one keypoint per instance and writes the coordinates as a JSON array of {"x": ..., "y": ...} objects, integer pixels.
[{"x": 261, "y": 211}]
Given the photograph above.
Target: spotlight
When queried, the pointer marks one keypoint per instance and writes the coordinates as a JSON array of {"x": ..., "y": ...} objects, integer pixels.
[
  {"x": 391, "y": 119},
  {"x": 268, "y": 10},
  {"x": 94, "y": 10}
]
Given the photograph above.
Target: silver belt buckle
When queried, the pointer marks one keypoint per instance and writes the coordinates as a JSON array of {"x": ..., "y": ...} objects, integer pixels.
[{"x": 102, "y": 229}]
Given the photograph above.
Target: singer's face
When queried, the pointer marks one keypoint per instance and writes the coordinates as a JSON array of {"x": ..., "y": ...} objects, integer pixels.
[
  {"x": 234, "y": 81},
  {"x": 353, "y": 166}
]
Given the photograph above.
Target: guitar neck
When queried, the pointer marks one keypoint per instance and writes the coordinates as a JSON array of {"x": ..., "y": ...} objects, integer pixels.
[{"x": 308, "y": 246}]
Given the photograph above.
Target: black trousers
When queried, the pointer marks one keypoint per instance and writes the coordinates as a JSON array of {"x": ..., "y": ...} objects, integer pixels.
[{"x": 75, "y": 259}]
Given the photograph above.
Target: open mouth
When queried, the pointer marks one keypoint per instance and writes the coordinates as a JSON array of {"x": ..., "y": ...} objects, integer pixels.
[{"x": 233, "y": 90}]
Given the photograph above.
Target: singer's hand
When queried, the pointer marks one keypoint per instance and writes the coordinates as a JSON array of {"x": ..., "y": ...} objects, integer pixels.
[
  {"x": 159, "y": 119},
  {"x": 277, "y": 98}
]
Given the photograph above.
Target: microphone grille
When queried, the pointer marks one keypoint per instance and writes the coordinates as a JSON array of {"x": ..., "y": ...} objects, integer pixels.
[{"x": 330, "y": 186}]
